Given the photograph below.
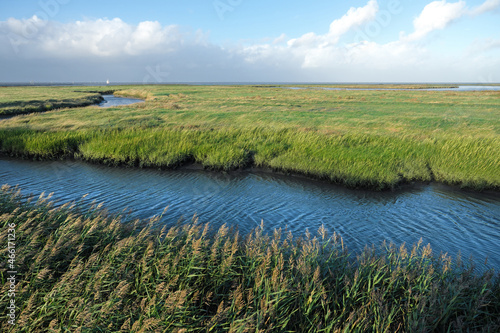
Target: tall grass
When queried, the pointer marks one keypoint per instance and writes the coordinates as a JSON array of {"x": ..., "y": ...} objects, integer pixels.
[
  {"x": 85, "y": 270},
  {"x": 355, "y": 160}
]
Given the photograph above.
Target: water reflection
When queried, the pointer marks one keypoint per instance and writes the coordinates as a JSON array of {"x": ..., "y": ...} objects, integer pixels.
[{"x": 111, "y": 100}]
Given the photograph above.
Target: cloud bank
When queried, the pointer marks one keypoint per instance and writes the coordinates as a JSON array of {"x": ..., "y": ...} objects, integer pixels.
[
  {"x": 33, "y": 49},
  {"x": 102, "y": 38}
]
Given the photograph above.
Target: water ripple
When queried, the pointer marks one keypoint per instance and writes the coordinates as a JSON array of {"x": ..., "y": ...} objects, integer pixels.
[{"x": 450, "y": 220}]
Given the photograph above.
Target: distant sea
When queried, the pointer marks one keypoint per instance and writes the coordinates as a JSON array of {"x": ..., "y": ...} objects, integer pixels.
[{"x": 100, "y": 83}]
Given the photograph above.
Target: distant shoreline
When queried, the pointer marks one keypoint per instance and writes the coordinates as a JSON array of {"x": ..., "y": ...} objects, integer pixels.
[{"x": 103, "y": 83}]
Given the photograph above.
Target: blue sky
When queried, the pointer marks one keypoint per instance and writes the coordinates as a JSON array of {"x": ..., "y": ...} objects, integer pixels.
[{"x": 250, "y": 41}]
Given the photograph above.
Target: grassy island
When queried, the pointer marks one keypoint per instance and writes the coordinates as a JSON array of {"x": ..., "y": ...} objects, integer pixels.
[
  {"x": 25, "y": 100},
  {"x": 359, "y": 138},
  {"x": 83, "y": 270}
]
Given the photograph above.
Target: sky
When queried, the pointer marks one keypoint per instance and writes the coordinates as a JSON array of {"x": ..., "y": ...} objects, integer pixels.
[{"x": 163, "y": 41}]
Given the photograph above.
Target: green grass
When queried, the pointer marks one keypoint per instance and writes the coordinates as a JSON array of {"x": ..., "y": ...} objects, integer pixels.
[
  {"x": 369, "y": 139},
  {"x": 83, "y": 270},
  {"x": 24, "y": 100}
]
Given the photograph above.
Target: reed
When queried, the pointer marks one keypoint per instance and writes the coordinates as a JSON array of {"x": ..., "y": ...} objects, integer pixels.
[{"x": 83, "y": 269}]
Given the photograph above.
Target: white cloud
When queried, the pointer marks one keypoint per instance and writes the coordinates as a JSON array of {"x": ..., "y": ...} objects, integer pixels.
[
  {"x": 307, "y": 40},
  {"x": 487, "y": 6},
  {"x": 100, "y": 37},
  {"x": 436, "y": 16},
  {"x": 313, "y": 52},
  {"x": 110, "y": 46},
  {"x": 281, "y": 39},
  {"x": 148, "y": 36},
  {"x": 354, "y": 18},
  {"x": 323, "y": 50}
]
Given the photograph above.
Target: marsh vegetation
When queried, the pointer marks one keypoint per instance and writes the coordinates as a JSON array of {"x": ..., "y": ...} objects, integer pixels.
[
  {"x": 25, "y": 100},
  {"x": 83, "y": 269},
  {"x": 368, "y": 139}
]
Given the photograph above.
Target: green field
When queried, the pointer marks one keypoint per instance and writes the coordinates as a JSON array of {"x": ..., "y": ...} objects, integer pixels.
[
  {"x": 362, "y": 139},
  {"x": 82, "y": 270}
]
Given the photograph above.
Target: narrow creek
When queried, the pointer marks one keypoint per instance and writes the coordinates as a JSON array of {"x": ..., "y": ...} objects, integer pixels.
[
  {"x": 451, "y": 220},
  {"x": 111, "y": 100}
]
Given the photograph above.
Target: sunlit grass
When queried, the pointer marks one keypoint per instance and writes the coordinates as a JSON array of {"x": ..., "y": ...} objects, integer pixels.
[
  {"x": 355, "y": 160},
  {"x": 85, "y": 270},
  {"x": 374, "y": 139}
]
